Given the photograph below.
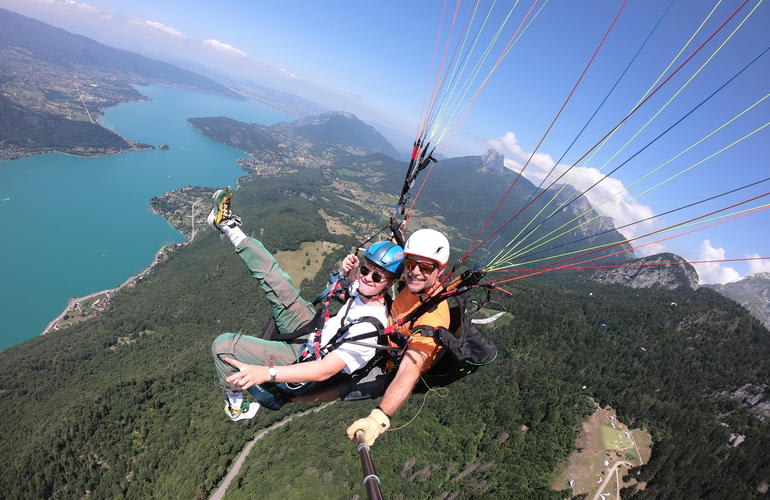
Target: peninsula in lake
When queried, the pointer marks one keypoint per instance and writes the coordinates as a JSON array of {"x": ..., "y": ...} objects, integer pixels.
[{"x": 55, "y": 85}]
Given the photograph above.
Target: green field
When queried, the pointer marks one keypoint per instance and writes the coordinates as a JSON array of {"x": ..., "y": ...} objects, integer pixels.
[{"x": 617, "y": 440}]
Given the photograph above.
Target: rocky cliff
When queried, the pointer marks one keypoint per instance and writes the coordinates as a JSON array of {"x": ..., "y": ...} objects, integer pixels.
[
  {"x": 752, "y": 292},
  {"x": 650, "y": 272}
]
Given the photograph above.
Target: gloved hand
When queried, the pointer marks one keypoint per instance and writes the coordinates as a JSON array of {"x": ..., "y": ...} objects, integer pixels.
[{"x": 373, "y": 425}]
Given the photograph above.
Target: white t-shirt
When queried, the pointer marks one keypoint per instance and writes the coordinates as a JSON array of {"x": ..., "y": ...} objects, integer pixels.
[{"x": 355, "y": 356}]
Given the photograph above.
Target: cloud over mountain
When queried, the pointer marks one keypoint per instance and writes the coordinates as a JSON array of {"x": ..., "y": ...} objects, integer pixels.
[
  {"x": 609, "y": 197},
  {"x": 714, "y": 272}
]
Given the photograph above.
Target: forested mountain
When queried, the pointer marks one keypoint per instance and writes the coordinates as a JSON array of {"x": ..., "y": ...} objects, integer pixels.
[
  {"x": 54, "y": 84},
  {"x": 125, "y": 405},
  {"x": 316, "y": 137},
  {"x": 752, "y": 292},
  {"x": 34, "y": 131}
]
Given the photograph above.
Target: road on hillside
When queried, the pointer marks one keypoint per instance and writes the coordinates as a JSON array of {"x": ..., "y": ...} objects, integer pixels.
[
  {"x": 236, "y": 468},
  {"x": 611, "y": 472}
]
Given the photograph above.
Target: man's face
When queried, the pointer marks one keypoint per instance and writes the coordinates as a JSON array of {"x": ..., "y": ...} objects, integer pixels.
[{"x": 420, "y": 273}]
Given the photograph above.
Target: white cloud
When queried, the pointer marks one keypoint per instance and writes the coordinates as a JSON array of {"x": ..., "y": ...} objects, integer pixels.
[
  {"x": 166, "y": 29},
  {"x": 72, "y": 4},
  {"x": 758, "y": 266},
  {"x": 216, "y": 44},
  {"x": 289, "y": 73},
  {"x": 608, "y": 197},
  {"x": 714, "y": 272}
]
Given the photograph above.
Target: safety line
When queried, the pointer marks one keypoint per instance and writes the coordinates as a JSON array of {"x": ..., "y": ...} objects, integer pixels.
[
  {"x": 464, "y": 39},
  {"x": 423, "y": 109},
  {"x": 684, "y": 86},
  {"x": 453, "y": 125},
  {"x": 759, "y": 209},
  {"x": 692, "y": 222},
  {"x": 657, "y": 231},
  {"x": 529, "y": 247},
  {"x": 491, "y": 71},
  {"x": 548, "y": 130},
  {"x": 595, "y": 209},
  {"x": 441, "y": 94},
  {"x": 671, "y": 63},
  {"x": 601, "y": 105},
  {"x": 641, "y": 264},
  {"x": 689, "y": 223},
  {"x": 441, "y": 68},
  {"x": 647, "y": 219},
  {"x": 703, "y": 44},
  {"x": 456, "y": 102},
  {"x": 625, "y": 189}
]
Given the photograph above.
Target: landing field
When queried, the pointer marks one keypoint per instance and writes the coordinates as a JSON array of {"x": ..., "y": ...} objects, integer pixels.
[
  {"x": 621, "y": 442},
  {"x": 602, "y": 442}
]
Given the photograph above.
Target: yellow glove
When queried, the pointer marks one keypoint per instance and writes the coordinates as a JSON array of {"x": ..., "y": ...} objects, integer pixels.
[{"x": 373, "y": 425}]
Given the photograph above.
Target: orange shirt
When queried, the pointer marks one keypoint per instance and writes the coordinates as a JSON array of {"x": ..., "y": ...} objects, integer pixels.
[{"x": 406, "y": 302}]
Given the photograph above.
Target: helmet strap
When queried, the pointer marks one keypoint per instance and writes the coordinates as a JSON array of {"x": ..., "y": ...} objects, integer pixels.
[{"x": 371, "y": 296}]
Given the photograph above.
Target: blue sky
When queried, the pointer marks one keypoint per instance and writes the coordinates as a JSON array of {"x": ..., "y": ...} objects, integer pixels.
[{"x": 374, "y": 59}]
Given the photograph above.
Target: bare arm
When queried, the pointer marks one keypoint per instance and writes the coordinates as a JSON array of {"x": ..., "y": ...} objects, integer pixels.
[
  {"x": 406, "y": 377},
  {"x": 315, "y": 371}
]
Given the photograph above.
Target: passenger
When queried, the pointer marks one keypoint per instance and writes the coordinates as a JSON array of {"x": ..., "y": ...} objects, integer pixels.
[{"x": 245, "y": 362}]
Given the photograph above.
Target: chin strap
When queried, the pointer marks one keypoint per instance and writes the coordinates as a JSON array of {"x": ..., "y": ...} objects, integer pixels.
[{"x": 362, "y": 294}]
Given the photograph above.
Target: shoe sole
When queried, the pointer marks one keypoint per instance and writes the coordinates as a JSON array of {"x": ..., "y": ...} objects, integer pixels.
[{"x": 219, "y": 196}]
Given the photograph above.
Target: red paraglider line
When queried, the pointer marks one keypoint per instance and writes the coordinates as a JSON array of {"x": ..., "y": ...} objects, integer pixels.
[
  {"x": 639, "y": 264},
  {"x": 569, "y": 266},
  {"x": 548, "y": 131},
  {"x": 499, "y": 229}
]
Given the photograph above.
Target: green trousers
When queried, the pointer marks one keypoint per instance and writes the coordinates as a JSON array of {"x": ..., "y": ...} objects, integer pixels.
[{"x": 289, "y": 309}]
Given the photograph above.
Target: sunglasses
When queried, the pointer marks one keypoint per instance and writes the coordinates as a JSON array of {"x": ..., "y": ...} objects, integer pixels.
[
  {"x": 376, "y": 276},
  {"x": 425, "y": 267}
]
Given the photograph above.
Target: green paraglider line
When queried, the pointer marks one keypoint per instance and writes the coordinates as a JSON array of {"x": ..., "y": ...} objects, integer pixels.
[{"x": 475, "y": 246}]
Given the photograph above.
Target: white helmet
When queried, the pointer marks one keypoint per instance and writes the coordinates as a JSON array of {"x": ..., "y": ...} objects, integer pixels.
[{"x": 430, "y": 244}]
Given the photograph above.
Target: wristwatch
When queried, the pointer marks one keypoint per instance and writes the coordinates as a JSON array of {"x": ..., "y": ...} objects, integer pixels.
[{"x": 272, "y": 372}]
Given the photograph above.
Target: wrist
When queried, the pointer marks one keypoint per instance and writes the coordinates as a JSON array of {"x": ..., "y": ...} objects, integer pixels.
[
  {"x": 378, "y": 407},
  {"x": 381, "y": 418}
]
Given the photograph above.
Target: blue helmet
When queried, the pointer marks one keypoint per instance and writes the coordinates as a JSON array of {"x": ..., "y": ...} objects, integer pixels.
[{"x": 387, "y": 255}]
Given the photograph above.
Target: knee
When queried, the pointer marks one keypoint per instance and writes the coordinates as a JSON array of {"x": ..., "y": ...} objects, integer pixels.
[{"x": 223, "y": 344}]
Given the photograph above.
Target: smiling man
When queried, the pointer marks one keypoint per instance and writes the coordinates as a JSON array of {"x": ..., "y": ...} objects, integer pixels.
[{"x": 426, "y": 255}]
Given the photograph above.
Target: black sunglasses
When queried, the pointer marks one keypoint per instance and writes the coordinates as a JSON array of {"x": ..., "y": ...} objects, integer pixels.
[{"x": 376, "y": 276}]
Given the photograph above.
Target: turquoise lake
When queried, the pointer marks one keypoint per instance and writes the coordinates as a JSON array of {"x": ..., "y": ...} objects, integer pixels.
[{"x": 74, "y": 226}]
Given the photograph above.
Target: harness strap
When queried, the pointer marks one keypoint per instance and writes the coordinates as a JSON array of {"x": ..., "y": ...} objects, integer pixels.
[{"x": 335, "y": 341}]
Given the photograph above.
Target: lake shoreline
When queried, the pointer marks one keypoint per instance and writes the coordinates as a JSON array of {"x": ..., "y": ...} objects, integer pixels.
[
  {"x": 119, "y": 253},
  {"x": 76, "y": 305}
]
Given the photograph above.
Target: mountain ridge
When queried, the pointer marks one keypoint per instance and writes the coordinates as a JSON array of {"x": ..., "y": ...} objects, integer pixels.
[
  {"x": 56, "y": 83},
  {"x": 752, "y": 292}
]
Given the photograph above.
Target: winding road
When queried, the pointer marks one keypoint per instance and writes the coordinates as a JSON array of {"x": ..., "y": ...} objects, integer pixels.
[{"x": 236, "y": 468}]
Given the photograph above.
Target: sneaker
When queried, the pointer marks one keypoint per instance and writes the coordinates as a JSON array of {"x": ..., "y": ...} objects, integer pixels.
[
  {"x": 246, "y": 411},
  {"x": 220, "y": 213}
]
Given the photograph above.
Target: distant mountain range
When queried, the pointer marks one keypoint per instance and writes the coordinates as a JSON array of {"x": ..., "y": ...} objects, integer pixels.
[
  {"x": 59, "y": 47},
  {"x": 310, "y": 141},
  {"x": 54, "y": 84},
  {"x": 752, "y": 292}
]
